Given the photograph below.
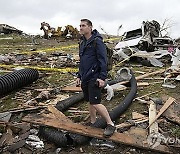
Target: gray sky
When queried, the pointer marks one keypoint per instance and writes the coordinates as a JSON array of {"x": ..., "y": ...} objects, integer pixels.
[{"x": 28, "y": 14}]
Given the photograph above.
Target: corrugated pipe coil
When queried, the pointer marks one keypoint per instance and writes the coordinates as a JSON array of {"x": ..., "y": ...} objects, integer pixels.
[
  {"x": 76, "y": 139},
  {"x": 17, "y": 79},
  {"x": 65, "y": 104},
  {"x": 114, "y": 114}
]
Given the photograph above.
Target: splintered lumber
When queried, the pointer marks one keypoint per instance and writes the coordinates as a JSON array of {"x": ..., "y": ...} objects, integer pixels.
[
  {"x": 136, "y": 115},
  {"x": 16, "y": 110},
  {"x": 163, "y": 109},
  {"x": 116, "y": 87},
  {"x": 149, "y": 74},
  {"x": 72, "y": 88},
  {"x": 173, "y": 113},
  {"x": 146, "y": 95},
  {"x": 124, "y": 125},
  {"x": 89, "y": 131},
  {"x": 78, "y": 89},
  {"x": 58, "y": 114},
  {"x": 58, "y": 98},
  {"x": 138, "y": 118},
  {"x": 78, "y": 111},
  {"x": 140, "y": 84},
  {"x": 153, "y": 129},
  {"x": 145, "y": 75}
]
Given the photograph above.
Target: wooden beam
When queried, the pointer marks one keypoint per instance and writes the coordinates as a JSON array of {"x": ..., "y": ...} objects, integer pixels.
[
  {"x": 24, "y": 109},
  {"x": 146, "y": 95},
  {"x": 153, "y": 129},
  {"x": 72, "y": 88},
  {"x": 89, "y": 131},
  {"x": 58, "y": 114},
  {"x": 164, "y": 108},
  {"x": 115, "y": 87},
  {"x": 145, "y": 75}
]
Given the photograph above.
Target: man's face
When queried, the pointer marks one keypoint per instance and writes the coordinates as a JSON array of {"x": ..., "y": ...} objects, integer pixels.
[{"x": 84, "y": 28}]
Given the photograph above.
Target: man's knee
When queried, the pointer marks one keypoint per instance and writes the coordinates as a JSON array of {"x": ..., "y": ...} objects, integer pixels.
[{"x": 96, "y": 105}]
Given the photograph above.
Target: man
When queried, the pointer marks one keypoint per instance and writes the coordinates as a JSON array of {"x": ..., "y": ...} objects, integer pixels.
[{"x": 93, "y": 72}]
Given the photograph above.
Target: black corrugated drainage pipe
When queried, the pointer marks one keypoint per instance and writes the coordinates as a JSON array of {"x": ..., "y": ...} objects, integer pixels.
[
  {"x": 100, "y": 123},
  {"x": 114, "y": 114},
  {"x": 17, "y": 79},
  {"x": 123, "y": 75},
  {"x": 65, "y": 104}
]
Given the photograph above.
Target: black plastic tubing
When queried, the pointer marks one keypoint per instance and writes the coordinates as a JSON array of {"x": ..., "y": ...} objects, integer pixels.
[
  {"x": 114, "y": 114},
  {"x": 17, "y": 79},
  {"x": 77, "y": 139}
]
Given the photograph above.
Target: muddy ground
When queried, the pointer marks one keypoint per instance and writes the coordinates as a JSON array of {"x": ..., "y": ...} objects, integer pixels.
[{"x": 41, "y": 51}]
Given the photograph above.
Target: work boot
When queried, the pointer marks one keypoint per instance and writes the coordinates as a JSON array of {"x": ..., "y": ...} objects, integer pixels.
[{"x": 109, "y": 130}]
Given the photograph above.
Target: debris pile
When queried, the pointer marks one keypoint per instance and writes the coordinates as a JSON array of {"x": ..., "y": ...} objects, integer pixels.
[
  {"x": 146, "y": 44},
  {"x": 6, "y": 29},
  {"x": 49, "y": 115}
]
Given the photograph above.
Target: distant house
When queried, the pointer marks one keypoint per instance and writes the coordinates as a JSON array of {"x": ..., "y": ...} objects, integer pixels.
[{"x": 6, "y": 29}]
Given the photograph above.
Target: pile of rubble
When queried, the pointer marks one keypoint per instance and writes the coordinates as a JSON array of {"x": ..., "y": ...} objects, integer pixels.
[
  {"x": 148, "y": 46},
  {"x": 6, "y": 29},
  {"x": 51, "y": 115}
]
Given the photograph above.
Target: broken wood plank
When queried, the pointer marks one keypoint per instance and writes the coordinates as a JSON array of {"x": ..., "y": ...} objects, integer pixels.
[
  {"x": 149, "y": 74},
  {"x": 164, "y": 108},
  {"x": 145, "y": 75},
  {"x": 72, "y": 88},
  {"x": 45, "y": 89},
  {"x": 142, "y": 101},
  {"x": 58, "y": 98},
  {"x": 77, "y": 111},
  {"x": 89, "y": 131},
  {"x": 136, "y": 115},
  {"x": 173, "y": 113},
  {"x": 58, "y": 114},
  {"x": 141, "y": 84},
  {"x": 147, "y": 94},
  {"x": 16, "y": 110},
  {"x": 141, "y": 120},
  {"x": 140, "y": 72},
  {"x": 153, "y": 129},
  {"x": 124, "y": 125},
  {"x": 160, "y": 78}
]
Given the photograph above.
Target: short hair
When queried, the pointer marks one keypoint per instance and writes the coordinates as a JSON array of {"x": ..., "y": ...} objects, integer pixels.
[{"x": 89, "y": 23}]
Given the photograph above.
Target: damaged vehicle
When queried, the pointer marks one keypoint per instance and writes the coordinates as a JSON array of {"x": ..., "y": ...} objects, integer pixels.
[{"x": 145, "y": 43}]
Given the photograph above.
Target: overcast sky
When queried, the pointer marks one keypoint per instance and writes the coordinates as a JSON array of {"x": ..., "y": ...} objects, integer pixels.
[{"x": 27, "y": 15}]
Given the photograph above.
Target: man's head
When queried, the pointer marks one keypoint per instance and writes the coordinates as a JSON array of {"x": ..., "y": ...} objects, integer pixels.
[{"x": 85, "y": 27}]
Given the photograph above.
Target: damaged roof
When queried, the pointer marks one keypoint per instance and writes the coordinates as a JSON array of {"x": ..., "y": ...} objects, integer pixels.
[{"x": 6, "y": 29}]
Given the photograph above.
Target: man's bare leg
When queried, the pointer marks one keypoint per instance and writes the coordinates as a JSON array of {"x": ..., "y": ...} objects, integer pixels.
[
  {"x": 92, "y": 112},
  {"x": 110, "y": 129},
  {"x": 101, "y": 109}
]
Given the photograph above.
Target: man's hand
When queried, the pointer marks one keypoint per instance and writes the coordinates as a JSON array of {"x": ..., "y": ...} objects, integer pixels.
[
  {"x": 101, "y": 82},
  {"x": 78, "y": 82}
]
